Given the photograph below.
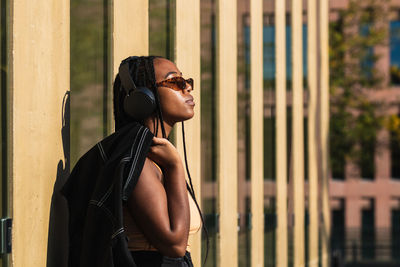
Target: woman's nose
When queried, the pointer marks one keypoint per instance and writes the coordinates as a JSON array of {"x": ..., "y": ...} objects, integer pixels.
[{"x": 188, "y": 88}]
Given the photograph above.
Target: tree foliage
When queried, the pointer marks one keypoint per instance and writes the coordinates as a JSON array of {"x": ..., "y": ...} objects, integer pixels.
[{"x": 355, "y": 117}]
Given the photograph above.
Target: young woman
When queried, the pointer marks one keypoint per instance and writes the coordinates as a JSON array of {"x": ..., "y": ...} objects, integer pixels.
[{"x": 162, "y": 210}]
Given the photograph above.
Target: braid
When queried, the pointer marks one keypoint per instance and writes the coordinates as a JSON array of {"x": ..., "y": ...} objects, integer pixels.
[
  {"x": 116, "y": 105},
  {"x": 136, "y": 69},
  {"x": 160, "y": 116}
]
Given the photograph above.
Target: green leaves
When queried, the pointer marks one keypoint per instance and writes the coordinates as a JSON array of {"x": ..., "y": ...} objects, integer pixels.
[{"x": 355, "y": 119}]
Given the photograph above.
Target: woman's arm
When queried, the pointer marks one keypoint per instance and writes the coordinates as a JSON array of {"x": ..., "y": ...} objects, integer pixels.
[{"x": 162, "y": 211}]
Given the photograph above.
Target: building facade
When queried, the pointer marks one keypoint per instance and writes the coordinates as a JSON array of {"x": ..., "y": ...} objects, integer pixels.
[{"x": 365, "y": 196}]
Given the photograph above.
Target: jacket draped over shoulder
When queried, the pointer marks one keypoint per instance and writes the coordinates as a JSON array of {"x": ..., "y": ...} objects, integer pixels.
[{"x": 101, "y": 180}]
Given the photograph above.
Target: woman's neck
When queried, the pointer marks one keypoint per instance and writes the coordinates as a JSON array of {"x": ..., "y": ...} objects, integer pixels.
[{"x": 151, "y": 123}]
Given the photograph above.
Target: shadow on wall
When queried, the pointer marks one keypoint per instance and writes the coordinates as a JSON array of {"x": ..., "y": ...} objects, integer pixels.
[{"x": 57, "y": 245}]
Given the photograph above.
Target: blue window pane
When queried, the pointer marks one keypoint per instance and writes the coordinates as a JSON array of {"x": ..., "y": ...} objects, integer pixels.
[
  {"x": 269, "y": 51},
  {"x": 305, "y": 65},
  {"x": 367, "y": 62},
  {"x": 247, "y": 56},
  {"x": 247, "y": 44},
  {"x": 395, "y": 43},
  {"x": 289, "y": 52},
  {"x": 395, "y": 52}
]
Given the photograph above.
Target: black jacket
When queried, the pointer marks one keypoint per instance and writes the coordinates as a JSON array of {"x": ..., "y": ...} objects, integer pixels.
[{"x": 101, "y": 180}]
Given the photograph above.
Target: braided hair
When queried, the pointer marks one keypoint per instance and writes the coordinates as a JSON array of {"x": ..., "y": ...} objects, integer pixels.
[
  {"x": 141, "y": 70},
  {"x": 142, "y": 73}
]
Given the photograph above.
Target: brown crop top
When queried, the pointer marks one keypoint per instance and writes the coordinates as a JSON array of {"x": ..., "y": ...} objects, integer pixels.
[{"x": 137, "y": 241}]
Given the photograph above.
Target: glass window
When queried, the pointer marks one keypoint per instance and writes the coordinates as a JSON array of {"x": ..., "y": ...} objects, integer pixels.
[
  {"x": 395, "y": 234},
  {"x": 270, "y": 221},
  {"x": 244, "y": 151},
  {"x": 162, "y": 34},
  {"x": 269, "y": 55},
  {"x": 338, "y": 229},
  {"x": 306, "y": 234},
  {"x": 90, "y": 81},
  {"x": 368, "y": 231},
  {"x": 395, "y": 52},
  {"x": 269, "y": 133},
  {"x": 269, "y": 144},
  {"x": 269, "y": 89},
  {"x": 289, "y": 52},
  {"x": 269, "y": 51},
  {"x": 367, "y": 62},
  {"x": 209, "y": 184},
  {"x": 162, "y": 28},
  {"x": 395, "y": 154}
]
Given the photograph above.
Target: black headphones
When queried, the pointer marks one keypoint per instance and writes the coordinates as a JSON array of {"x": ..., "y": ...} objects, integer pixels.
[{"x": 139, "y": 102}]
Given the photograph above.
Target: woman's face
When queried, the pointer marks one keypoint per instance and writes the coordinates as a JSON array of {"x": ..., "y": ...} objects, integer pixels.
[{"x": 176, "y": 105}]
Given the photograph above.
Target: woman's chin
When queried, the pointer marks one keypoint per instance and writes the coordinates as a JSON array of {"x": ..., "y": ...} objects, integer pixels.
[
  {"x": 191, "y": 115},
  {"x": 187, "y": 116}
]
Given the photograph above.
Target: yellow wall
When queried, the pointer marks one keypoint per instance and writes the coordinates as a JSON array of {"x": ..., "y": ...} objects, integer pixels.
[
  {"x": 227, "y": 132},
  {"x": 39, "y": 80},
  {"x": 257, "y": 146},
  {"x": 281, "y": 135}
]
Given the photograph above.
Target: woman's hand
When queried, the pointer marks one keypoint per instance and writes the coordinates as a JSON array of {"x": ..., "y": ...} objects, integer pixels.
[{"x": 164, "y": 153}]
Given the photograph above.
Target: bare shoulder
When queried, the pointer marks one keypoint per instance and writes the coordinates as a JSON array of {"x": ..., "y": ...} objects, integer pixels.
[
  {"x": 148, "y": 187},
  {"x": 149, "y": 168}
]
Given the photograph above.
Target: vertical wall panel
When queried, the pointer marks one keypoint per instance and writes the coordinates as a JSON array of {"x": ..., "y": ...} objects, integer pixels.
[
  {"x": 125, "y": 35},
  {"x": 324, "y": 124},
  {"x": 281, "y": 144},
  {"x": 312, "y": 140},
  {"x": 40, "y": 78},
  {"x": 130, "y": 30},
  {"x": 227, "y": 132},
  {"x": 298, "y": 131},
  {"x": 188, "y": 61},
  {"x": 6, "y": 122},
  {"x": 256, "y": 121}
]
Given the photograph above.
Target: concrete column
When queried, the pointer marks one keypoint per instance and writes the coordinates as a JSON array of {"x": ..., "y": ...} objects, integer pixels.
[
  {"x": 382, "y": 155},
  {"x": 257, "y": 119},
  {"x": 227, "y": 131},
  {"x": 382, "y": 225},
  {"x": 39, "y": 80},
  {"x": 281, "y": 136},
  {"x": 353, "y": 227},
  {"x": 383, "y": 50}
]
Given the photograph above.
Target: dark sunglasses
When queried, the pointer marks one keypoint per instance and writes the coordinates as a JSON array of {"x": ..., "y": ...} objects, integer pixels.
[{"x": 176, "y": 83}]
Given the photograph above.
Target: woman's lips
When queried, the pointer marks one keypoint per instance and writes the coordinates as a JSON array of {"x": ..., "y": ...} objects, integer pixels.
[{"x": 190, "y": 102}]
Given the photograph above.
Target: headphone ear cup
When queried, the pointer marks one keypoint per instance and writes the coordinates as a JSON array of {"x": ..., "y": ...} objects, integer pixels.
[{"x": 140, "y": 103}]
